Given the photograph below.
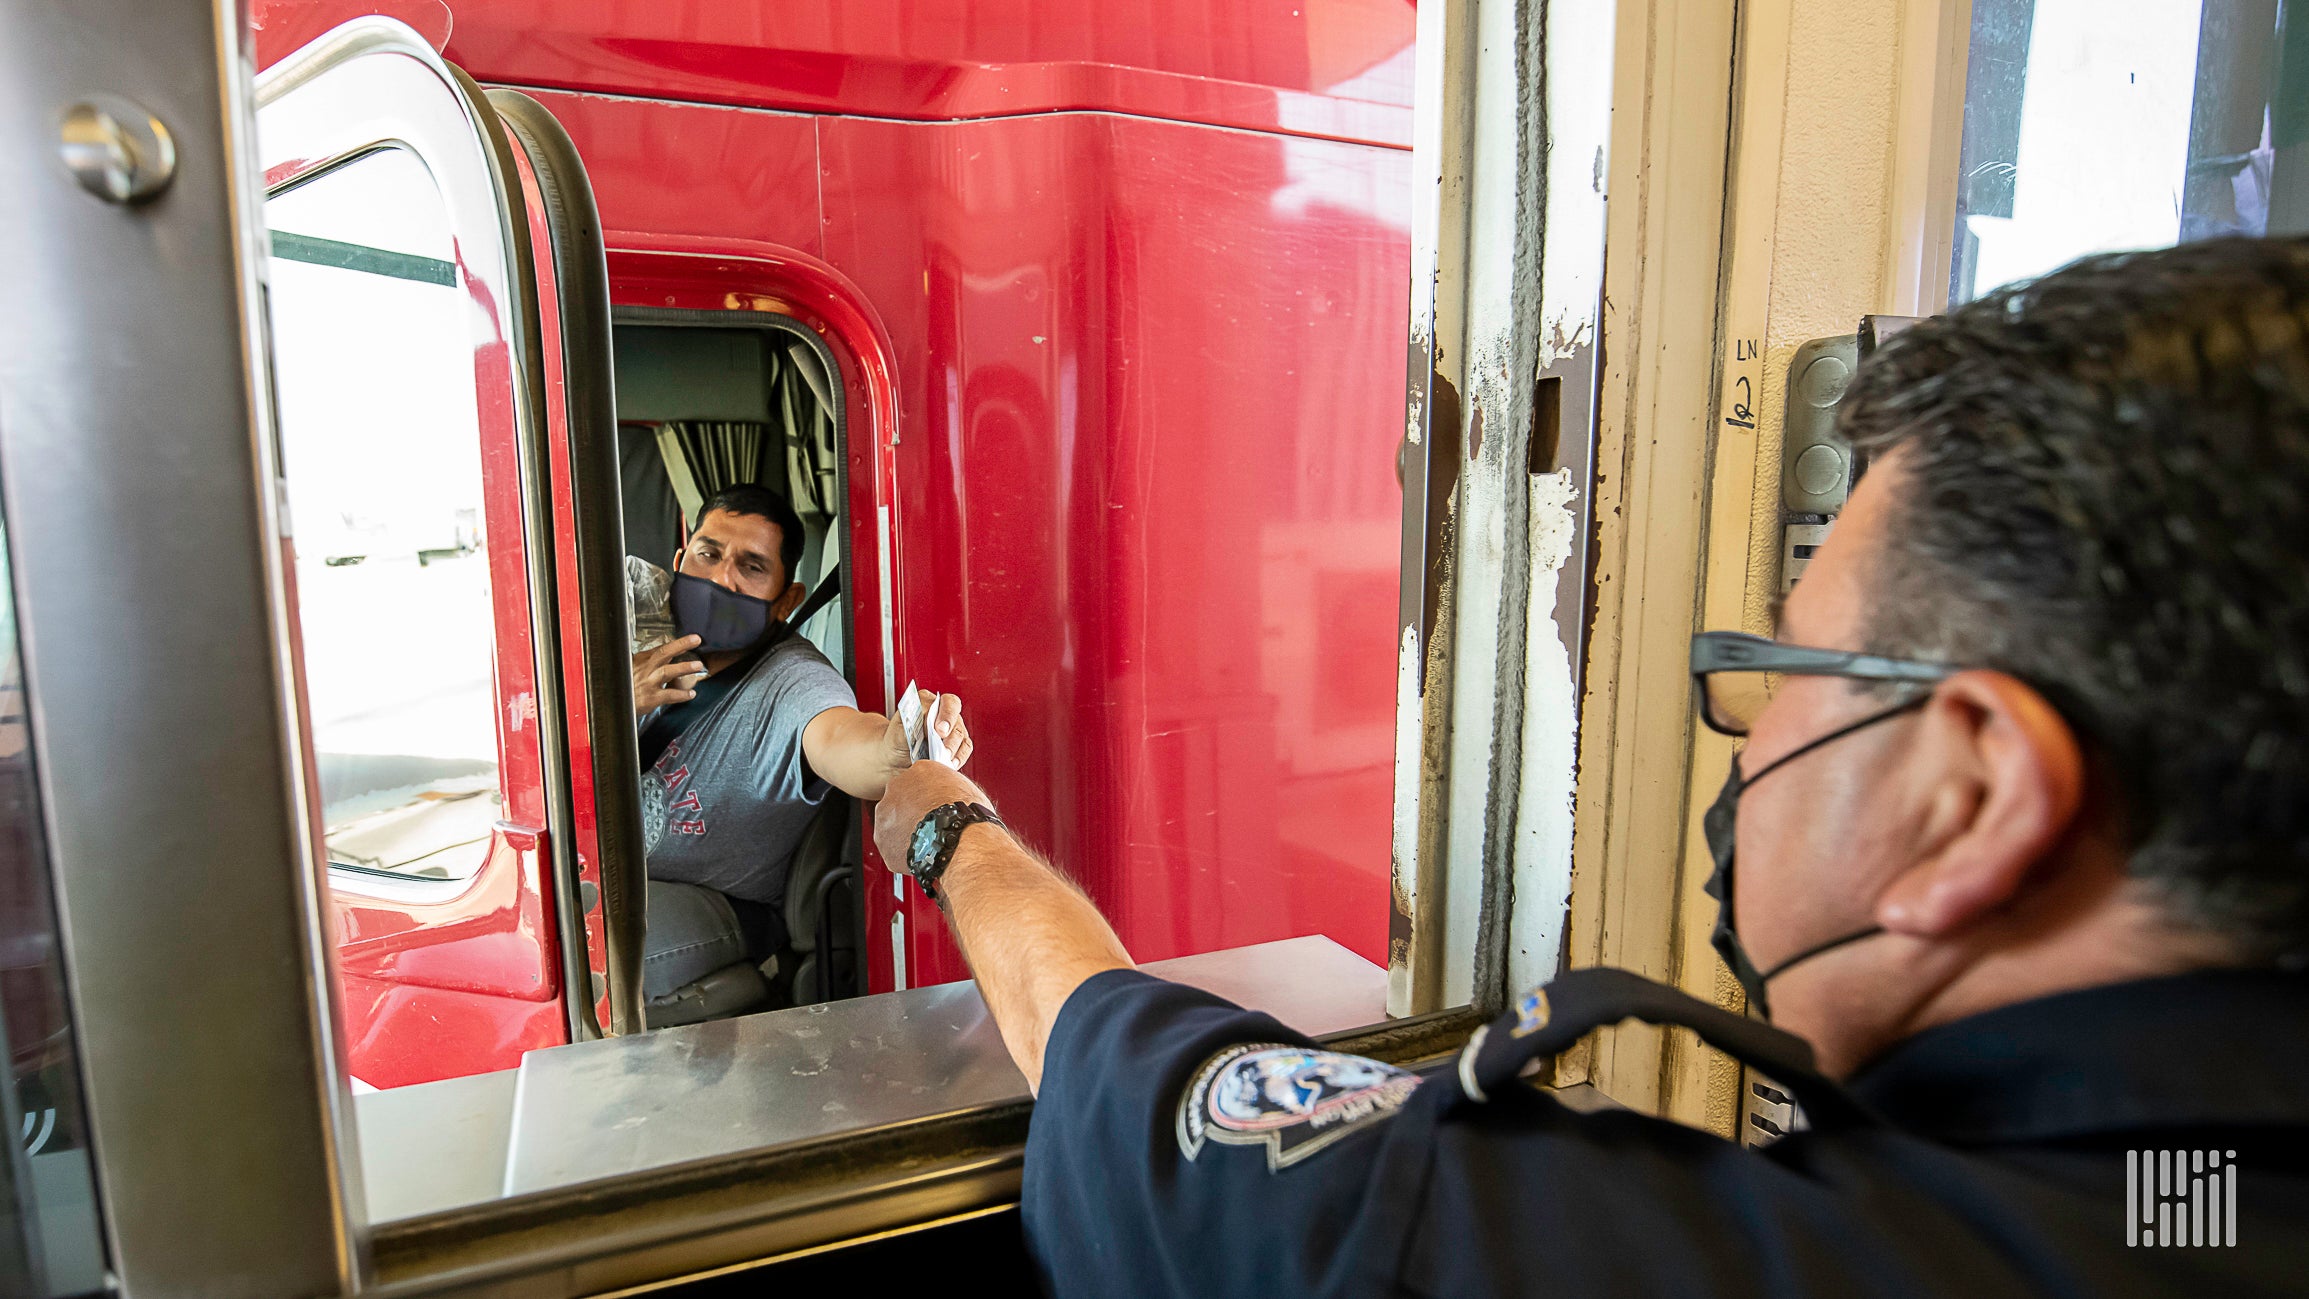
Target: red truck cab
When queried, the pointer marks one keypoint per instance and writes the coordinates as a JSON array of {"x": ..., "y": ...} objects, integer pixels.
[{"x": 1074, "y": 332}]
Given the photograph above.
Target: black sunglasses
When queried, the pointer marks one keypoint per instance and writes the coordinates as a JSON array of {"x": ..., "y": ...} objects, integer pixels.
[{"x": 1736, "y": 674}]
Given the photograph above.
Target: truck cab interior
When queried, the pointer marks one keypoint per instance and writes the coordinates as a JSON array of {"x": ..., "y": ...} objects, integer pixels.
[{"x": 705, "y": 401}]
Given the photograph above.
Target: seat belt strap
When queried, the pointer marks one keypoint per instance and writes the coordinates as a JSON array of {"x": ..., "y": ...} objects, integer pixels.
[
  {"x": 829, "y": 586},
  {"x": 669, "y": 723},
  {"x": 671, "y": 450}
]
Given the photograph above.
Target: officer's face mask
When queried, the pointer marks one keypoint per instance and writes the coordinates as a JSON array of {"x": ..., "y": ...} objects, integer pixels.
[
  {"x": 720, "y": 618},
  {"x": 1720, "y": 828}
]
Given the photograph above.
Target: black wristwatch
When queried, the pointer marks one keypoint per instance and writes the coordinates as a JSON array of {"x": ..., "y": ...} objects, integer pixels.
[{"x": 935, "y": 838}]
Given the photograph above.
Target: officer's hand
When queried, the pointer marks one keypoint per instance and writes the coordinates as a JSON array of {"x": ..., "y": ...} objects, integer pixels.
[
  {"x": 911, "y": 796},
  {"x": 947, "y": 718},
  {"x": 666, "y": 675}
]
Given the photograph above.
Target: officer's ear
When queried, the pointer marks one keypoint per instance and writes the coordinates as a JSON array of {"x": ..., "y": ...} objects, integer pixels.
[{"x": 2002, "y": 780}]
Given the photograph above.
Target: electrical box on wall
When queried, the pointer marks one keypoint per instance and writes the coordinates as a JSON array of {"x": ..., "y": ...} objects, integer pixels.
[
  {"x": 1816, "y": 463},
  {"x": 1817, "y": 466}
]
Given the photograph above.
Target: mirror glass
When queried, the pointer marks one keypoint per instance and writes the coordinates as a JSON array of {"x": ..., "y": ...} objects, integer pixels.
[
  {"x": 49, "y": 1241},
  {"x": 380, "y": 448}
]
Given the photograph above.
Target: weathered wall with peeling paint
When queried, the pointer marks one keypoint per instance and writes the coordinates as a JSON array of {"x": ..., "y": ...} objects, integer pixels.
[
  {"x": 1578, "y": 78},
  {"x": 1520, "y": 96},
  {"x": 1492, "y": 576}
]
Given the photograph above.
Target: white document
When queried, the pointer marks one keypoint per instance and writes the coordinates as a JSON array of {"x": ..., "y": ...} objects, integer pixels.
[{"x": 922, "y": 739}]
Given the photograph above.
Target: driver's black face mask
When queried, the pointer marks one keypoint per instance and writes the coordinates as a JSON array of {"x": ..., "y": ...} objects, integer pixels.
[
  {"x": 721, "y": 619},
  {"x": 1720, "y": 828}
]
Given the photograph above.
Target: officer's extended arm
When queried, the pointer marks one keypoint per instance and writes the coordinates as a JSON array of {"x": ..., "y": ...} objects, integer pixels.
[{"x": 1030, "y": 936}]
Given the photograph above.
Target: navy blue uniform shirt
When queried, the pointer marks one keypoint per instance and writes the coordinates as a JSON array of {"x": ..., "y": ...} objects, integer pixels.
[{"x": 1182, "y": 1145}]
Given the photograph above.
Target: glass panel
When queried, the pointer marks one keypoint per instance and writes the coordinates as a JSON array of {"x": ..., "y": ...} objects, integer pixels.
[
  {"x": 2104, "y": 125},
  {"x": 51, "y": 1247},
  {"x": 384, "y": 304},
  {"x": 380, "y": 444}
]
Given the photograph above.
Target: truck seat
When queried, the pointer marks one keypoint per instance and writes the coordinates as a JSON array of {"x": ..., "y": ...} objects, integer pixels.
[
  {"x": 696, "y": 964},
  {"x": 821, "y": 908}
]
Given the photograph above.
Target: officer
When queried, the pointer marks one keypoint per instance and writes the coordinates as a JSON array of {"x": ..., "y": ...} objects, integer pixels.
[{"x": 2022, "y": 841}]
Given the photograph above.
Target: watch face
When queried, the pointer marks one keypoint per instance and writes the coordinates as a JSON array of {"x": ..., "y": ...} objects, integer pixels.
[{"x": 924, "y": 849}]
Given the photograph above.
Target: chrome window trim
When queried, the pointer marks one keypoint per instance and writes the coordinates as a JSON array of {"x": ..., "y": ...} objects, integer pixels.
[
  {"x": 387, "y": 886},
  {"x": 343, "y": 44}
]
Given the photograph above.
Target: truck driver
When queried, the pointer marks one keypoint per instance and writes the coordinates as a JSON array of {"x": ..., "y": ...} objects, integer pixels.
[
  {"x": 2022, "y": 833},
  {"x": 741, "y": 743}
]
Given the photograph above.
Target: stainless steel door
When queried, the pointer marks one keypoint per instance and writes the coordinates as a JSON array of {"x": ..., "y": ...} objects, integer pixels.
[{"x": 135, "y": 465}]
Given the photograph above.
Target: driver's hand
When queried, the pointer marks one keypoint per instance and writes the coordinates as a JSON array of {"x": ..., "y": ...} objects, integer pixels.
[
  {"x": 666, "y": 675},
  {"x": 911, "y": 796}
]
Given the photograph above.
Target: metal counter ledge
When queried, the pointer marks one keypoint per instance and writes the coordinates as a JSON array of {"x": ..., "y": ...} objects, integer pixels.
[{"x": 594, "y": 1110}]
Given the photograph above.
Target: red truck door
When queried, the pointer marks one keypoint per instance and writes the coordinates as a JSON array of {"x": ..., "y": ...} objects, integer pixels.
[
  {"x": 418, "y": 443},
  {"x": 577, "y": 470}
]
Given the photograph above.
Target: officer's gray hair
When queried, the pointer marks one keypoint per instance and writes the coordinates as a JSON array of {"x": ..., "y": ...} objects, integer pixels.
[{"x": 2104, "y": 496}]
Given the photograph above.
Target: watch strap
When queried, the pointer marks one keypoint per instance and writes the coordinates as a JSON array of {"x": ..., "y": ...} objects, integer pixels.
[{"x": 951, "y": 820}]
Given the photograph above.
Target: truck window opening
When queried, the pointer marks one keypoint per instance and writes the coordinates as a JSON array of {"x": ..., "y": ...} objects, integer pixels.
[{"x": 703, "y": 406}]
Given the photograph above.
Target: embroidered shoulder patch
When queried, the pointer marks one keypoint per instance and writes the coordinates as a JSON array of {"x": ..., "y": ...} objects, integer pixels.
[
  {"x": 1292, "y": 1100},
  {"x": 1531, "y": 1013}
]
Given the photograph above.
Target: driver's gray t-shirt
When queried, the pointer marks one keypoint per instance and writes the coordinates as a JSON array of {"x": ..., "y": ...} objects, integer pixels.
[{"x": 729, "y": 800}]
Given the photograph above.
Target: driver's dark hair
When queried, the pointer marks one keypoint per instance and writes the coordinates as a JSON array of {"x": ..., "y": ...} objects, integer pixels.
[
  {"x": 2106, "y": 494},
  {"x": 762, "y": 503}
]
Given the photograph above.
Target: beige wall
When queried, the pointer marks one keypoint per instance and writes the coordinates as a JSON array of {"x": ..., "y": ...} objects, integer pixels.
[
  {"x": 1812, "y": 219},
  {"x": 1836, "y": 155},
  {"x": 1671, "y": 93}
]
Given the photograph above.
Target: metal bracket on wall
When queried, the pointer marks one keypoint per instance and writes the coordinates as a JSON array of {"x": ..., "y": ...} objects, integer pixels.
[
  {"x": 1799, "y": 538},
  {"x": 1875, "y": 329},
  {"x": 1767, "y": 1112}
]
